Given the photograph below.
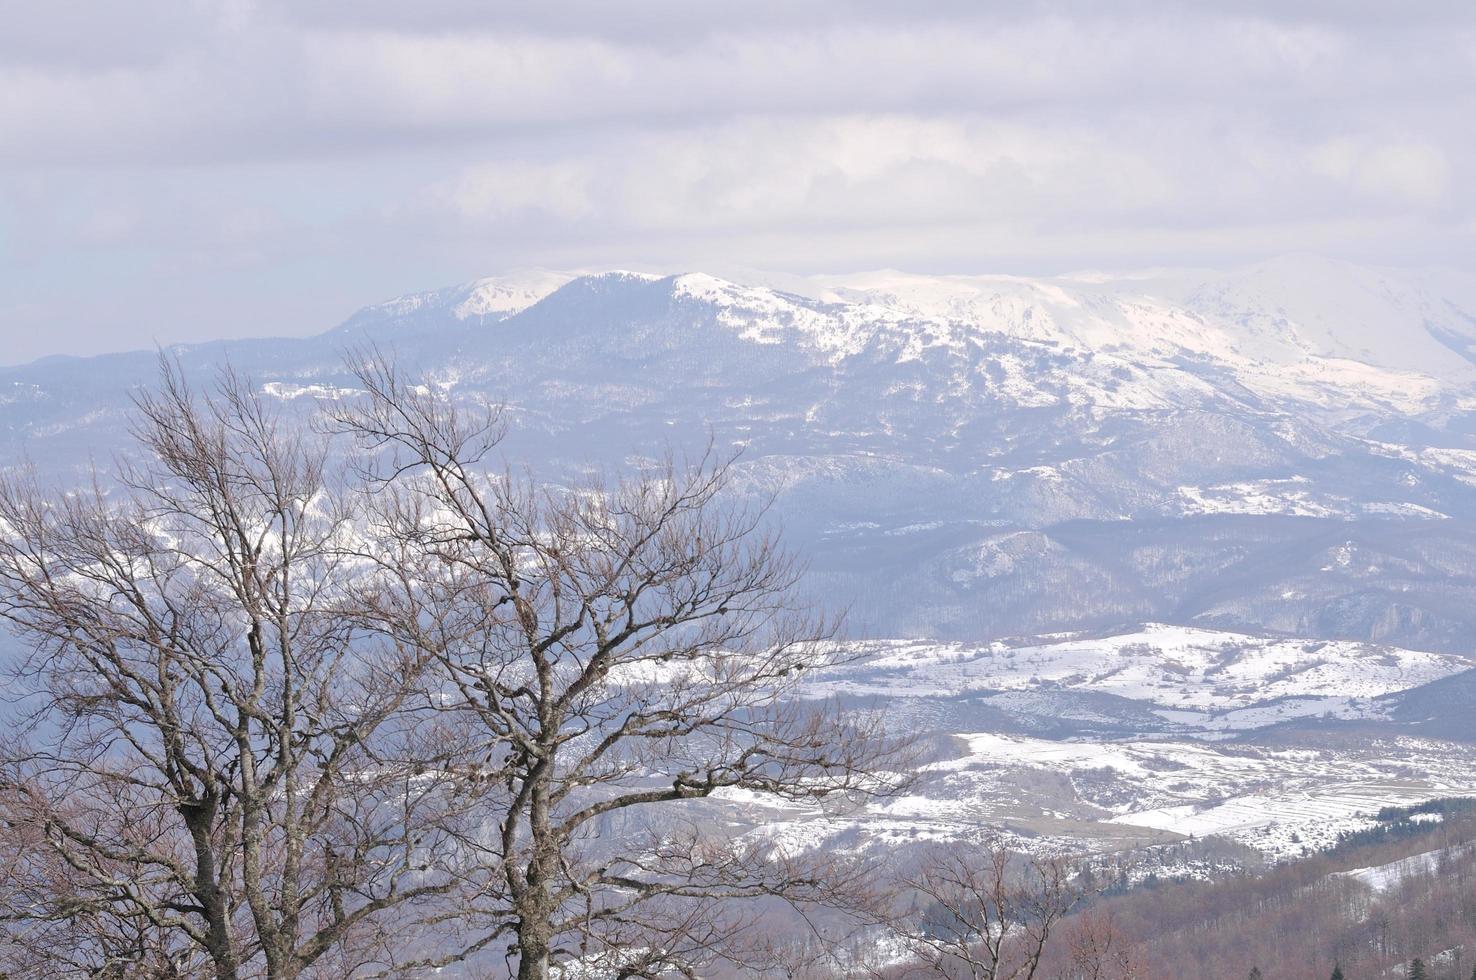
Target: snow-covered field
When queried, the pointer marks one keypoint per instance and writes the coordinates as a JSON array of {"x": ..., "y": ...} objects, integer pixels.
[
  {"x": 1196, "y": 678},
  {"x": 1208, "y": 774},
  {"x": 1106, "y": 796}
]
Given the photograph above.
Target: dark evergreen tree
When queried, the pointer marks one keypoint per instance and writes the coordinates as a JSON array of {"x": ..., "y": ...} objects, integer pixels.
[
  {"x": 1255, "y": 974},
  {"x": 1337, "y": 973},
  {"x": 1417, "y": 970}
]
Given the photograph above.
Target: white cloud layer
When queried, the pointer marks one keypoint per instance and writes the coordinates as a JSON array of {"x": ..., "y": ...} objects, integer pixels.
[{"x": 180, "y": 170}]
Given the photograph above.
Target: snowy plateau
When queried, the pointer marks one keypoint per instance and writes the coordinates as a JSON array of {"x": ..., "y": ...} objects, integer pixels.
[{"x": 1147, "y": 558}]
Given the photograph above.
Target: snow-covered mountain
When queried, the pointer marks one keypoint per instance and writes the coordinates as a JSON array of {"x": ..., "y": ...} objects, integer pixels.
[
  {"x": 482, "y": 301},
  {"x": 1289, "y": 446}
]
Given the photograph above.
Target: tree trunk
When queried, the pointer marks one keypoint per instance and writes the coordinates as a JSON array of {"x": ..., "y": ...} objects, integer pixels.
[
  {"x": 198, "y": 818},
  {"x": 532, "y": 950},
  {"x": 535, "y": 922}
]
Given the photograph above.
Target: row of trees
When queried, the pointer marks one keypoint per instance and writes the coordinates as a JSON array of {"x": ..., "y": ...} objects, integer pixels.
[
  {"x": 284, "y": 717},
  {"x": 1416, "y": 971}
]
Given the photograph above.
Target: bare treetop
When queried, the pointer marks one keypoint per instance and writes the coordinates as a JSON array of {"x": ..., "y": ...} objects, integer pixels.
[
  {"x": 216, "y": 769},
  {"x": 617, "y": 646}
]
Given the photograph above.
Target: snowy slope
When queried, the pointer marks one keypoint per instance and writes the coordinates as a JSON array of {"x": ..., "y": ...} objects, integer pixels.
[
  {"x": 1386, "y": 877},
  {"x": 1317, "y": 315}
]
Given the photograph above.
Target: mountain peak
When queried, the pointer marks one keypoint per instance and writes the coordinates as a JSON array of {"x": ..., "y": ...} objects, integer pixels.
[
  {"x": 502, "y": 296},
  {"x": 491, "y": 297}
]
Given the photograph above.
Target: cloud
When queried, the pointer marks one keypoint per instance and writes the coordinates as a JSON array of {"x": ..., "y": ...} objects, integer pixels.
[
  {"x": 275, "y": 88},
  {"x": 1408, "y": 173},
  {"x": 383, "y": 146},
  {"x": 820, "y": 172}
]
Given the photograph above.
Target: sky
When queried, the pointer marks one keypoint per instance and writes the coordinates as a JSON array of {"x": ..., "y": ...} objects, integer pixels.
[{"x": 182, "y": 170}]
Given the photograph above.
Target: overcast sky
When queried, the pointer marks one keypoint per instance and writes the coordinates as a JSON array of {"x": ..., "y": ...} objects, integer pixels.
[{"x": 178, "y": 170}]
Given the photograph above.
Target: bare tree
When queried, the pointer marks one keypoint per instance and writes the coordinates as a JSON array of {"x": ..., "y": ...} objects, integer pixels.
[
  {"x": 619, "y": 653},
  {"x": 1096, "y": 949},
  {"x": 220, "y": 770},
  {"x": 989, "y": 914}
]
